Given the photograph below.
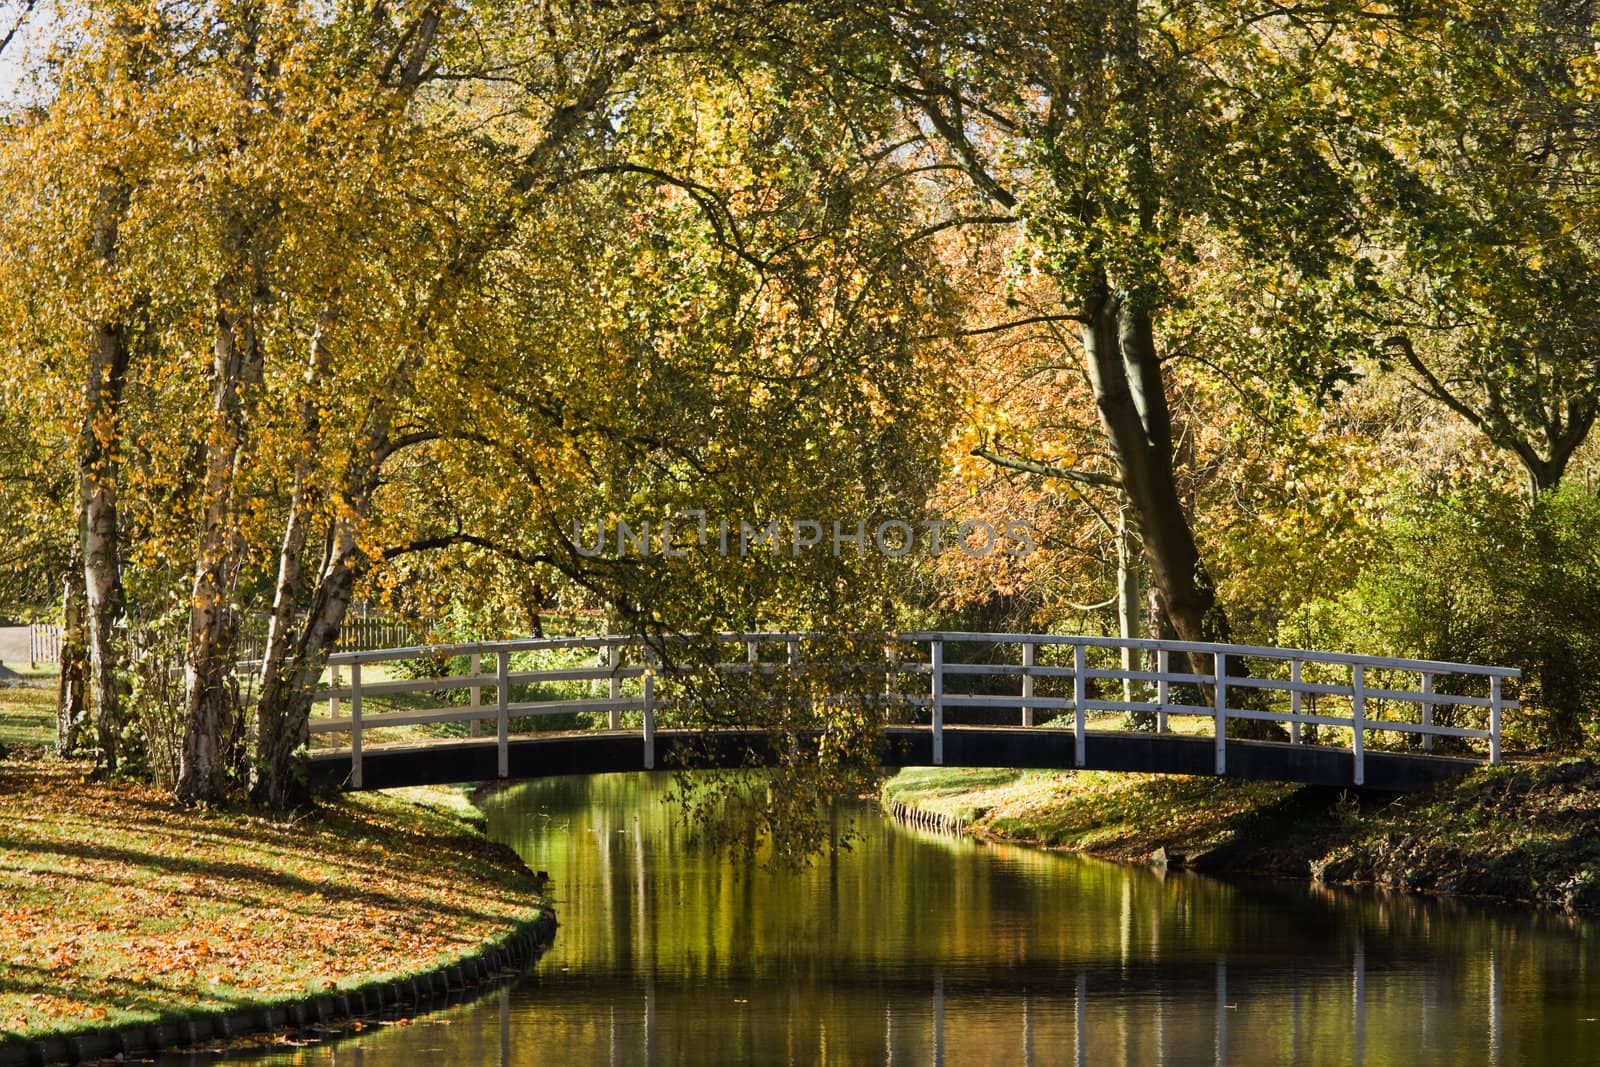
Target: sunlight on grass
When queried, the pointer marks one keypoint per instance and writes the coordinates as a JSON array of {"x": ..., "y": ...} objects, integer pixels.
[{"x": 118, "y": 906}]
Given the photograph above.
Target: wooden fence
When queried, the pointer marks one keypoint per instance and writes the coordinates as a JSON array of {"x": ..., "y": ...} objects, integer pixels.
[{"x": 358, "y": 633}]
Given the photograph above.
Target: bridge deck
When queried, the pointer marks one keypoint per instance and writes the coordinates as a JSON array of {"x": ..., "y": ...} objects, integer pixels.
[{"x": 603, "y": 752}]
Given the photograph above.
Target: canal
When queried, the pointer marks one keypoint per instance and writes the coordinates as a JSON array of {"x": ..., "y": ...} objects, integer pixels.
[{"x": 910, "y": 948}]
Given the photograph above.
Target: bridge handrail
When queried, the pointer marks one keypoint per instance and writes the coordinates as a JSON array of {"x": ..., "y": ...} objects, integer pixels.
[
  {"x": 535, "y": 644},
  {"x": 1219, "y": 680},
  {"x": 1147, "y": 644}
]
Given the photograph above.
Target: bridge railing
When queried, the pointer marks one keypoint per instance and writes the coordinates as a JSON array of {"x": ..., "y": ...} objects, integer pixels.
[{"x": 1045, "y": 681}]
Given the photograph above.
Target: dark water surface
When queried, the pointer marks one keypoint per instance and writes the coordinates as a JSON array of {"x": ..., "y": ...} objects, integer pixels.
[{"x": 915, "y": 949}]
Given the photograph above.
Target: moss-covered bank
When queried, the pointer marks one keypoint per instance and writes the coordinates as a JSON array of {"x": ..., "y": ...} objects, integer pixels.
[
  {"x": 120, "y": 909},
  {"x": 1525, "y": 832}
]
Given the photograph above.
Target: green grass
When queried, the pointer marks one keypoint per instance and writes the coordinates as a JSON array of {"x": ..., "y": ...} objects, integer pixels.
[
  {"x": 452, "y": 800},
  {"x": 955, "y": 792},
  {"x": 28, "y": 710},
  {"x": 1121, "y": 815}
]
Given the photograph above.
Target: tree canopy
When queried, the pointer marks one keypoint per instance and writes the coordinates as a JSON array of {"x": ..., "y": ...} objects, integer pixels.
[{"x": 310, "y": 306}]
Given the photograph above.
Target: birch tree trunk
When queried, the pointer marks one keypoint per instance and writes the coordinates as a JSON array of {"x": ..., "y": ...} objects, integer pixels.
[
  {"x": 72, "y": 698},
  {"x": 285, "y": 701},
  {"x": 213, "y": 617},
  {"x": 98, "y": 464}
]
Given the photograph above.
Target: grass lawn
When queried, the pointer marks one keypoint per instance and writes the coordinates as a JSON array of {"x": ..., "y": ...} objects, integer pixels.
[
  {"x": 1120, "y": 815},
  {"x": 27, "y": 709},
  {"x": 117, "y": 906}
]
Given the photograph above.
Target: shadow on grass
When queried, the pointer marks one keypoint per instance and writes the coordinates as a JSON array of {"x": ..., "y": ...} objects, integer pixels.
[{"x": 243, "y": 872}]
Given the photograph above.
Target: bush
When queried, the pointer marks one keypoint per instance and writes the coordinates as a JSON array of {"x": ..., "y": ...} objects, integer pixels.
[{"x": 1483, "y": 577}]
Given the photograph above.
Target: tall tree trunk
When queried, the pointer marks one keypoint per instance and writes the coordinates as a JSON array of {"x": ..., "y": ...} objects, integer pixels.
[
  {"x": 1119, "y": 341},
  {"x": 293, "y": 664},
  {"x": 98, "y": 463},
  {"x": 72, "y": 697},
  {"x": 280, "y": 717},
  {"x": 213, "y": 617},
  {"x": 1119, "y": 345},
  {"x": 288, "y": 691}
]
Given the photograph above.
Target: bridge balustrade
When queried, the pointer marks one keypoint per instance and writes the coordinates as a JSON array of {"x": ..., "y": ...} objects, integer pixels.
[{"x": 1046, "y": 681}]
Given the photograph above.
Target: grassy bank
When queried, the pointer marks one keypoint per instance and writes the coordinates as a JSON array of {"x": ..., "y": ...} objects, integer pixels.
[
  {"x": 118, "y": 907},
  {"x": 1522, "y": 832},
  {"x": 27, "y": 710}
]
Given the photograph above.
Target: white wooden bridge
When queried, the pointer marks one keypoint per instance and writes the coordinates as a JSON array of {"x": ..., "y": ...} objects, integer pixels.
[{"x": 962, "y": 699}]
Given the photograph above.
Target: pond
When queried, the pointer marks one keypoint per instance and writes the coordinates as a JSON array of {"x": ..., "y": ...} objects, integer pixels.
[{"x": 913, "y": 948}]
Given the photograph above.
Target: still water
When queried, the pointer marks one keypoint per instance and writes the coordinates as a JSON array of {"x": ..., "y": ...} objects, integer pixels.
[{"x": 911, "y": 948}]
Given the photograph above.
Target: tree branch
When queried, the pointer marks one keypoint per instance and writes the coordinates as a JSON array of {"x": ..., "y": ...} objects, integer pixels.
[{"x": 1030, "y": 466}]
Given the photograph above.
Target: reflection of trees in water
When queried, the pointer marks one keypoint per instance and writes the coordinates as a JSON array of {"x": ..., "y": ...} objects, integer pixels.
[{"x": 916, "y": 949}]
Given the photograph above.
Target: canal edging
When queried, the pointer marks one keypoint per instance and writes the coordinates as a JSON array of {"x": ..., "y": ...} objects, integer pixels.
[{"x": 489, "y": 967}]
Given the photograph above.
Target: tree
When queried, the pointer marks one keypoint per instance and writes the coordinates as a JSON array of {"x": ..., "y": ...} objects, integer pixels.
[
  {"x": 1476, "y": 168},
  {"x": 1115, "y": 133}
]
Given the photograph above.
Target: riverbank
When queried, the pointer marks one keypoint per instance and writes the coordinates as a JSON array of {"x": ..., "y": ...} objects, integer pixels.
[
  {"x": 1524, "y": 832},
  {"x": 121, "y": 910}
]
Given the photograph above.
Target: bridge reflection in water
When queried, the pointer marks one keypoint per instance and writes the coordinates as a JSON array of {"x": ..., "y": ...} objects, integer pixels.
[
  {"x": 915, "y": 948},
  {"x": 916, "y": 1033}
]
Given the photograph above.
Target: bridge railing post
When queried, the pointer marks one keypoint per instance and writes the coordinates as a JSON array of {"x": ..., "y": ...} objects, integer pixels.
[
  {"x": 1427, "y": 709},
  {"x": 1294, "y": 700},
  {"x": 937, "y": 666},
  {"x": 891, "y": 677},
  {"x": 614, "y": 691},
  {"x": 1163, "y": 689},
  {"x": 1496, "y": 704},
  {"x": 475, "y": 694},
  {"x": 502, "y": 713},
  {"x": 1027, "y": 682},
  {"x": 1220, "y": 709},
  {"x": 649, "y": 710},
  {"x": 355, "y": 725},
  {"x": 1080, "y": 697},
  {"x": 1358, "y": 720}
]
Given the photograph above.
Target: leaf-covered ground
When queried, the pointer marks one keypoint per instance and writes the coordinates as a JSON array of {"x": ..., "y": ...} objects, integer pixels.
[
  {"x": 116, "y": 905},
  {"x": 1526, "y": 832}
]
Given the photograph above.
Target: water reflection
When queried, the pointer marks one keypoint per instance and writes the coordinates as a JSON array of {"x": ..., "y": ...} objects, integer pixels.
[{"x": 913, "y": 949}]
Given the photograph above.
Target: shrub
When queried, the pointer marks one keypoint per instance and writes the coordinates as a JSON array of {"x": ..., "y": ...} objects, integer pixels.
[{"x": 1483, "y": 577}]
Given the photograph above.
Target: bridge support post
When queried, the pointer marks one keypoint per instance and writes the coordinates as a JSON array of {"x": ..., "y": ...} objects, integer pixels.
[
  {"x": 649, "y": 711},
  {"x": 475, "y": 694},
  {"x": 1027, "y": 682},
  {"x": 355, "y": 726},
  {"x": 614, "y": 662},
  {"x": 1294, "y": 700},
  {"x": 937, "y": 655},
  {"x": 1358, "y": 720},
  {"x": 1080, "y": 697},
  {"x": 1496, "y": 702},
  {"x": 1427, "y": 709},
  {"x": 502, "y": 711},
  {"x": 1220, "y": 709},
  {"x": 891, "y": 677},
  {"x": 1163, "y": 689}
]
